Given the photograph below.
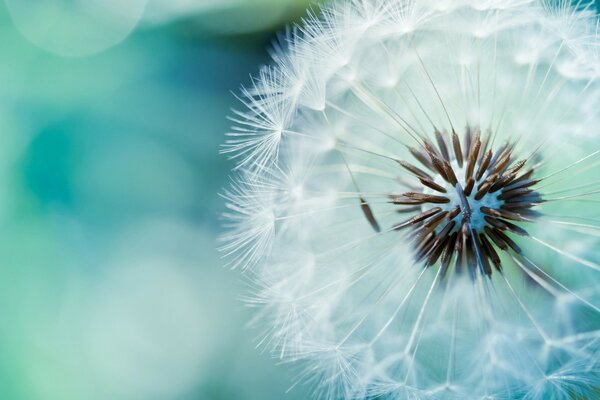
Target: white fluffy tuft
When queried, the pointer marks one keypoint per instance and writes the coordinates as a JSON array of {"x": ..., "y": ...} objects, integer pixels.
[{"x": 318, "y": 136}]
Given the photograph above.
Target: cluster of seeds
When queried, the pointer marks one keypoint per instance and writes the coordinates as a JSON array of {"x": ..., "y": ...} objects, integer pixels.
[{"x": 471, "y": 197}]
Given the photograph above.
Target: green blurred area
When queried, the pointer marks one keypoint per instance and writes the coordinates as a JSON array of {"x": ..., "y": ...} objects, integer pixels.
[{"x": 111, "y": 287}]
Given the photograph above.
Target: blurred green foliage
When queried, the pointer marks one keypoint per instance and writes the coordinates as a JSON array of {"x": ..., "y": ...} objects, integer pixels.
[{"x": 111, "y": 287}]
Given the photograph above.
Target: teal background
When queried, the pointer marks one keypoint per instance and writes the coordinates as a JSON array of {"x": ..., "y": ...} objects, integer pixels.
[{"x": 110, "y": 284}]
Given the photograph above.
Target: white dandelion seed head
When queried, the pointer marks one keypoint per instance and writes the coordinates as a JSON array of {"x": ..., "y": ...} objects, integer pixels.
[{"x": 416, "y": 196}]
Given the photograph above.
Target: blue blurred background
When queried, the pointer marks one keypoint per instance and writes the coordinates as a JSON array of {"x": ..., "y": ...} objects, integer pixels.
[{"x": 111, "y": 117}]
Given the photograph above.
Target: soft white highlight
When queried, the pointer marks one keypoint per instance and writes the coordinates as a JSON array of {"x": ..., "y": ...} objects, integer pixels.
[{"x": 321, "y": 132}]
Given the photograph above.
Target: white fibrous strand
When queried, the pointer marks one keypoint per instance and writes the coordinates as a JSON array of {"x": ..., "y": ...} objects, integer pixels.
[{"x": 415, "y": 201}]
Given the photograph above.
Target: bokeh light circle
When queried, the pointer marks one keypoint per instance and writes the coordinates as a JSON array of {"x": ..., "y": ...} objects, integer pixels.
[{"x": 75, "y": 28}]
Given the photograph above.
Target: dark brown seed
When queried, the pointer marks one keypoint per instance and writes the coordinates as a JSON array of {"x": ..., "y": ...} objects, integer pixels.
[
  {"x": 421, "y": 157},
  {"x": 442, "y": 145},
  {"x": 484, "y": 145},
  {"x": 505, "y": 225},
  {"x": 421, "y": 241},
  {"x": 519, "y": 206},
  {"x": 469, "y": 187},
  {"x": 475, "y": 148},
  {"x": 509, "y": 242},
  {"x": 491, "y": 252},
  {"x": 424, "y": 246},
  {"x": 472, "y": 157},
  {"x": 492, "y": 234},
  {"x": 426, "y": 198},
  {"x": 453, "y": 213},
  {"x": 406, "y": 210},
  {"x": 435, "y": 221},
  {"x": 501, "y": 152},
  {"x": 431, "y": 184},
  {"x": 439, "y": 166},
  {"x": 516, "y": 168},
  {"x": 450, "y": 173},
  {"x": 457, "y": 149},
  {"x": 483, "y": 189},
  {"x": 516, "y": 229},
  {"x": 484, "y": 164},
  {"x": 502, "y": 182},
  {"x": 445, "y": 232},
  {"x": 517, "y": 184},
  {"x": 526, "y": 175},
  {"x": 366, "y": 209},
  {"x": 500, "y": 213},
  {"x": 495, "y": 222},
  {"x": 505, "y": 195},
  {"x": 481, "y": 255},
  {"x": 471, "y": 259},
  {"x": 418, "y": 218},
  {"x": 435, "y": 253},
  {"x": 468, "y": 138},
  {"x": 448, "y": 252},
  {"x": 430, "y": 148},
  {"x": 531, "y": 198},
  {"x": 440, "y": 242},
  {"x": 414, "y": 170},
  {"x": 499, "y": 166},
  {"x": 401, "y": 200},
  {"x": 491, "y": 179}
]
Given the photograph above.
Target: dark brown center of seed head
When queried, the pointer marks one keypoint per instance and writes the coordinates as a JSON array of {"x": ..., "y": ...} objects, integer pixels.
[{"x": 471, "y": 202}]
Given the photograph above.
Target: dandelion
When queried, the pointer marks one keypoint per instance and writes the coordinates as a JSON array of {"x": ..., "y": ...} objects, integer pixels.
[{"x": 416, "y": 200}]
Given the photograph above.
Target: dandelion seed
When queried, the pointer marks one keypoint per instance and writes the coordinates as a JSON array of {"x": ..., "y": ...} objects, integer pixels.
[{"x": 416, "y": 200}]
